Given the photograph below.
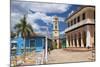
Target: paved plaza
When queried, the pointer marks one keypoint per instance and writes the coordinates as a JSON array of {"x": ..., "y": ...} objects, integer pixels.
[{"x": 62, "y": 56}]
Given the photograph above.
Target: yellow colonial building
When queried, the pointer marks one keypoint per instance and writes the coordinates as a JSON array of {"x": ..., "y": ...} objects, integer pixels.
[{"x": 81, "y": 28}]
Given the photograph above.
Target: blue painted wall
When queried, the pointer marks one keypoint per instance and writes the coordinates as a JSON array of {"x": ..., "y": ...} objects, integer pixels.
[
  {"x": 39, "y": 43},
  {"x": 27, "y": 42}
]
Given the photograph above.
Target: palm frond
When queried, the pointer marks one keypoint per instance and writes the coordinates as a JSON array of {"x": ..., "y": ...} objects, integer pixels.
[{"x": 24, "y": 27}]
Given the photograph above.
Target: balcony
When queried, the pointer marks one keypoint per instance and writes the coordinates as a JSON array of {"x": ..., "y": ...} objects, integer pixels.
[{"x": 81, "y": 23}]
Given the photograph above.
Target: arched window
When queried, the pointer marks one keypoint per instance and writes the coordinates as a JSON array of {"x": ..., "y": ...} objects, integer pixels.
[
  {"x": 78, "y": 19},
  {"x": 68, "y": 24},
  {"x": 75, "y": 21},
  {"x": 71, "y": 22},
  {"x": 83, "y": 16}
]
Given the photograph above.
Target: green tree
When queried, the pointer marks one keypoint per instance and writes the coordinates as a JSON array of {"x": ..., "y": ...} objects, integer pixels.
[{"x": 25, "y": 29}]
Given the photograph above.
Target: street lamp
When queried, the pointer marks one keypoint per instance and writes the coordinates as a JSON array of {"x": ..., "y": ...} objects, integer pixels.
[{"x": 46, "y": 44}]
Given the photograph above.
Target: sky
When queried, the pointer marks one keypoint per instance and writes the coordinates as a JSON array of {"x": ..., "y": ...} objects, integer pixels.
[{"x": 41, "y": 14}]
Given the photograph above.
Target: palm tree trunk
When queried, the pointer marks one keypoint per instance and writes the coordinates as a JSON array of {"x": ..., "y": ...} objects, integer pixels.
[{"x": 24, "y": 49}]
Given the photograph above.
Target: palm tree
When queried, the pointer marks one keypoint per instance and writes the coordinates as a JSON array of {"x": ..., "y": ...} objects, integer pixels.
[{"x": 25, "y": 29}]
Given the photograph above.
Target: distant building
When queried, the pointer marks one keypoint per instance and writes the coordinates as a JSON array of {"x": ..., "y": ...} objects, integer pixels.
[
  {"x": 56, "y": 42},
  {"x": 81, "y": 28}
]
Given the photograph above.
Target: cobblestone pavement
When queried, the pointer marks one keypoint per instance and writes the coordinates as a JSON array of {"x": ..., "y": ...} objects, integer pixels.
[{"x": 62, "y": 56}]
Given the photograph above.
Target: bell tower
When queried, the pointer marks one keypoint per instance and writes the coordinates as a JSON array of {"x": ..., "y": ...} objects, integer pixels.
[{"x": 55, "y": 32}]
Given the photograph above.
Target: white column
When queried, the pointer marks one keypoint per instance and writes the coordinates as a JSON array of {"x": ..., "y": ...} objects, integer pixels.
[
  {"x": 82, "y": 44},
  {"x": 46, "y": 45},
  {"x": 67, "y": 44},
  {"x": 77, "y": 41},
  {"x": 73, "y": 43},
  {"x": 46, "y": 50},
  {"x": 88, "y": 38},
  {"x": 70, "y": 42}
]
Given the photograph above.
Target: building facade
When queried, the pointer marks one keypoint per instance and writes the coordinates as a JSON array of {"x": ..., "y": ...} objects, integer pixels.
[
  {"x": 81, "y": 28},
  {"x": 56, "y": 41}
]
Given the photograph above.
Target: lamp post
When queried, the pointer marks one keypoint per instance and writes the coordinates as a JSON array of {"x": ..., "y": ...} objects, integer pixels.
[{"x": 46, "y": 44}]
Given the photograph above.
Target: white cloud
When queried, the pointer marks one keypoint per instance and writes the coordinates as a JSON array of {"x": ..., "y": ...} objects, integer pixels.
[
  {"x": 49, "y": 8},
  {"x": 42, "y": 16},
  {"x": 39, "y": 7},
  {"x": 71, "y": 13},
  {"x": 46, "y": 19},
  {"x": 31, "y": 18},
  {"x": 40, "y": 10},
  {"x": 15, "y": 18}
]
